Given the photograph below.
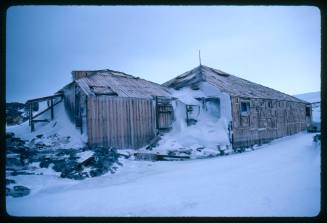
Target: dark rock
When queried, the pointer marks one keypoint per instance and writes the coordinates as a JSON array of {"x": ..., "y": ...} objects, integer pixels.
[
  {"x": 9, "y": 135},
  {"x": 187, "y": 151},
  {"x": 15, "y": 173},
  {"x": 17, "y": 191},
  {"x": 40, "y": 145},
  {"x": 14, "y": 115},
  {"x": 100, "y": 162},
  {"x": 10, "y": 181},
  {"x": 13, "y": 162},
  {"x": 45, "y": 162},
  {"x": 39, "y": 136},
  {"x": 199, "y": 149},
  {"x": 316, "y": 138},
  {"x": 89, "y": 161}
]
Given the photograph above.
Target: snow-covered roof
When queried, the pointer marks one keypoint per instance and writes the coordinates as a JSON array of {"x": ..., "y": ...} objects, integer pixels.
[
  {"x": 227, "y": 83},
  {"x": 117, "y": 83}
]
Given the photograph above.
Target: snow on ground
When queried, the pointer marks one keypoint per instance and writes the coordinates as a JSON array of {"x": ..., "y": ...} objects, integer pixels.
[
  {"x": 278, "y": 179},
  {"x": 54, "y": 131}
]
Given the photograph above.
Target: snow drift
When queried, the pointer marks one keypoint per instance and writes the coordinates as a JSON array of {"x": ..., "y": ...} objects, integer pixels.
[
  {"x": 60, "y": 132},
  {"x": 210, "y": 130}
]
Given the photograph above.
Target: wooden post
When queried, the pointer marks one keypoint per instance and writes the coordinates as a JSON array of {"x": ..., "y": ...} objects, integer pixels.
[
  {"x": 186, "y": 109},
  {"x": 30, "y": 114},
  {"x": 52, "y": 115},
  {"x": 32, "y": 126},
  {"x": 157, "y": 114}
]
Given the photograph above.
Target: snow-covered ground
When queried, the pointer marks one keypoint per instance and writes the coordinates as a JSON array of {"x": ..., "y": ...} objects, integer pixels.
[
  {"x": 278, "y": 179},
  {"x": 54, "y": 133}
]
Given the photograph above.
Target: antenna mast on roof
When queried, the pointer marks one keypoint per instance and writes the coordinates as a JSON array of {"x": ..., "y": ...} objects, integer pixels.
[{"x": 200, "y": 57}]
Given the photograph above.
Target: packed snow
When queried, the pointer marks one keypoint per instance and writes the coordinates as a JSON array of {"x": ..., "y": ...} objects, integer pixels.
[
  {"x": 210, "y": 130},
  {"x": 58, "y": 132},
  {"x": 278, "y": 179}
]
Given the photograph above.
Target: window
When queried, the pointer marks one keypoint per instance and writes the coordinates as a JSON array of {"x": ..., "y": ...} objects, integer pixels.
[
  {"x": 192, "y": 113},
  {"x": 245, "y": 108},
  {"x": 103, "y": 90},
  {"x": 212, "y": 106},
  {"x": 307, "y": 111}
]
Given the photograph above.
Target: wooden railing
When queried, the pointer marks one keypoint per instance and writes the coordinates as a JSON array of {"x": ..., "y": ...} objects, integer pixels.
[{"x": 50, "y": 107}]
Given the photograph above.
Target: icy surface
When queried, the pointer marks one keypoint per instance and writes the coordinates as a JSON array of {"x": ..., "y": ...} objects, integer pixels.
[
  {"x": 60, "y": 131},
  {"x": 278, "y": 179}
]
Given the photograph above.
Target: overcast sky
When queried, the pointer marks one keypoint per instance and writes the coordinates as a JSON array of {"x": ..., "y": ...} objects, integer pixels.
[{"x": 278, "y": 47}]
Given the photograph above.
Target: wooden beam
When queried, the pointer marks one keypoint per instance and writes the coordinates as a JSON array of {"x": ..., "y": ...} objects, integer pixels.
[
  {"x": 30, "y": 114},
  {"x": 47, "y": 109},
  {"x": 157, "y": 114},
  {"x": 44, "y": 98},
  {"x": 51, "y": 107},
  {"x": 40, "y": 120}
]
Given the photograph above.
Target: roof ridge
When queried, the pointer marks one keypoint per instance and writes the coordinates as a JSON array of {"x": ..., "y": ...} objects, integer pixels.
[{"x": 207, "y": 72}]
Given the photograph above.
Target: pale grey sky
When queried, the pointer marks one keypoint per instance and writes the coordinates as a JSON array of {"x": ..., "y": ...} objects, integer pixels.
[{"x": 275, "y": 46}]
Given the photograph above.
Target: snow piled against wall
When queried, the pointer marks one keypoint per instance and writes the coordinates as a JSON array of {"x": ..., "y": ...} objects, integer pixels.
[
  {"x": 312, "y": 97},
  {"x": 209, "y": 131},
  {"x": 61, "y": 129}
]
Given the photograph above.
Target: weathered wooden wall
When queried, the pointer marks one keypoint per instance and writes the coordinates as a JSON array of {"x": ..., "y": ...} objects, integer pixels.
[
  {"x": 69, "y": 101},
  {"x": 165, "y": 116},
  {"x": 120, "y": 122},
  {"x": 75, "y": 105},
  {"x": 268, "y": 119}
]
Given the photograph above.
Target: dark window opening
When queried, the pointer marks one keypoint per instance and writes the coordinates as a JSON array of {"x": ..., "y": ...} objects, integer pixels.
[
  {"x": 245, "y": 108},
  {"x": 103, "y": 90},
  {"x": 192, "y": 113},
  {"x": 307, "y": 111}
]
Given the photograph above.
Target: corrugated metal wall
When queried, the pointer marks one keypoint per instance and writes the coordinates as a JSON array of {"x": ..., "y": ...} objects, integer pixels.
[{"x": 120, "y": 122}]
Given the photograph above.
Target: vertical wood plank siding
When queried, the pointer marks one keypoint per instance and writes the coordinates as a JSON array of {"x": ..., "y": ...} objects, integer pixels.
[
  {"x": 268, "y": 119},
  {"x": 120, "y": 122},
  {"x": 69, "y": 101}
]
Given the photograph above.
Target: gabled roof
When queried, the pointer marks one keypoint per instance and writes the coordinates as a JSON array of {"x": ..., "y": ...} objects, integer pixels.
[
  {"x": 227, "y": 83},
  {"x": 114, "y": 83}
]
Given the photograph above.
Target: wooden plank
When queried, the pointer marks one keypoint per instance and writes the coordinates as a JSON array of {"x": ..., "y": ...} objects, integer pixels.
[
  {"x": 119, "y": 123},
  {"x": 130, "y": 105}
]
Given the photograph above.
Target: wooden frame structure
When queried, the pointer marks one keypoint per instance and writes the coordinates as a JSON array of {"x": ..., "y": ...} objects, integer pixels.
[{"x": 50, "y": 107}]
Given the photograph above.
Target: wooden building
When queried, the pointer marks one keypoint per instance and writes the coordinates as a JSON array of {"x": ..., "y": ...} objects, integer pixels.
[
  {"x": 258, "y": 113},
  {"x": 116, "y": 109}
]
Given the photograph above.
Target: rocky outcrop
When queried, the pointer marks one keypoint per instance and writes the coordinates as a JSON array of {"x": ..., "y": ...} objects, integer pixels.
[
  {"x": 21, "y": 154},
  {"x": 15, "y": 113}
]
